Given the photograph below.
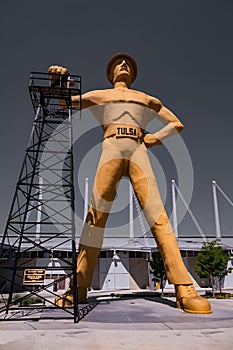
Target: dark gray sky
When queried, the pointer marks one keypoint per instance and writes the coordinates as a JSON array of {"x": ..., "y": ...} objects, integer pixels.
[{"x": 184, "y": 54}]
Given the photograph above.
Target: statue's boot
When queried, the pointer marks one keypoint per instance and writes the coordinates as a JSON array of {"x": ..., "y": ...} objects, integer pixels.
[
  {"x": 189, "y": 300},
  {"x": 66, "y": 299},
  {"x": 85, "y": 266}
]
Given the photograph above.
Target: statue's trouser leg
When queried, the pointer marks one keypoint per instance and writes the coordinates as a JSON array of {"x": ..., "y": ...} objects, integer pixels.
[
  {"x": 110, "y": 171},
  {"x": 146, "y": 189},
  {"x": 147, "y": 192}
]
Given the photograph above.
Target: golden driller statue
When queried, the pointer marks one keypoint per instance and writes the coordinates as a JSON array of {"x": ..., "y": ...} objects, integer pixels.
[{"x": 125, "y": 114}]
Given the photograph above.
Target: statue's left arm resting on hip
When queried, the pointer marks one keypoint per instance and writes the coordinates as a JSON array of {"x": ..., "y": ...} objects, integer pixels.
[{"x": 172, "y": 125}]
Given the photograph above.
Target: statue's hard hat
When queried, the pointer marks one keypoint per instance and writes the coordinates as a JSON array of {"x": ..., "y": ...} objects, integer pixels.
[{"x": 112, "y": 62}]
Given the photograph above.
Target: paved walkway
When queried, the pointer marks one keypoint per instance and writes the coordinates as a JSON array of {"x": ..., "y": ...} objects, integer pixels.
[{"x": 132, "y": 321}]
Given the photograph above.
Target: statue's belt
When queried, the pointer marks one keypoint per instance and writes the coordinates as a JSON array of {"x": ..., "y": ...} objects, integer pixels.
[{"x": 124, "y": 131}]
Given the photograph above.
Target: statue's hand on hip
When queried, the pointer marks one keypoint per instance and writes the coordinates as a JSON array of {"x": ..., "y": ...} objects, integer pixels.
[{"x": 151, "y": 140}]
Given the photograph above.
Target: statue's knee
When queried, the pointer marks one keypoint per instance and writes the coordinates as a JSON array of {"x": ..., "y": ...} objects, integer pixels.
[{"x": 96, "y": 218}]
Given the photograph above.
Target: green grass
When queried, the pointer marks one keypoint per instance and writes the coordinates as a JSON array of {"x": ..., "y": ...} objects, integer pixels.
[
  {"x": 32, "y": 300},
  {"x": 27, "y": 301},
  {"x": 218, "y": 295}
]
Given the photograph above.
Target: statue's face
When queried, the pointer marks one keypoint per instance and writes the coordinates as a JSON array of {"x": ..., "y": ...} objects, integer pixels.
[{"x": 122, "y": 67}]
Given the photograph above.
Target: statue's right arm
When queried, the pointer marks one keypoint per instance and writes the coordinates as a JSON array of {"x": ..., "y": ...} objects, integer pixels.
[
  {"x": 60, "y": 74},
  {"x": 88, "y": 100}
]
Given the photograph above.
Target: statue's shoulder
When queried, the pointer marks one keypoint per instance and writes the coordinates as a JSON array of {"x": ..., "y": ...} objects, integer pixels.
[
  {"x": 154, "y": 103},
  {"x": 150, "y": 101}
]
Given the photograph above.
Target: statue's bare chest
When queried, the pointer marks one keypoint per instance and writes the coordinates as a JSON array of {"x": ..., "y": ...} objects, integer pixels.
[{"x": 125, "y": 95}]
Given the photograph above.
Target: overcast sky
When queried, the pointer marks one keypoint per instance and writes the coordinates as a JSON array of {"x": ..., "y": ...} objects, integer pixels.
[{"x": 184, "y": 53}]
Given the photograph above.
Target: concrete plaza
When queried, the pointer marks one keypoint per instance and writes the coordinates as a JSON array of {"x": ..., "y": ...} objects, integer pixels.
[{"x": 126, "y": 321}]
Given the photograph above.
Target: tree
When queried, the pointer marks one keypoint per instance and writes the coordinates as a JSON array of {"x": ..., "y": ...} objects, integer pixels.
[
  {"x": 157, "y": 268},
  {"x": 212, "y": 263}
]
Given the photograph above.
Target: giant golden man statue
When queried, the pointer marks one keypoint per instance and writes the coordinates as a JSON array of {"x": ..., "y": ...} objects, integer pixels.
[{"x": 126, "y": 112}]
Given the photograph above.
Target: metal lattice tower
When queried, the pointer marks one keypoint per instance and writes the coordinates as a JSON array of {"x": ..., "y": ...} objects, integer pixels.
[{"x": 41, "y": 219}]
